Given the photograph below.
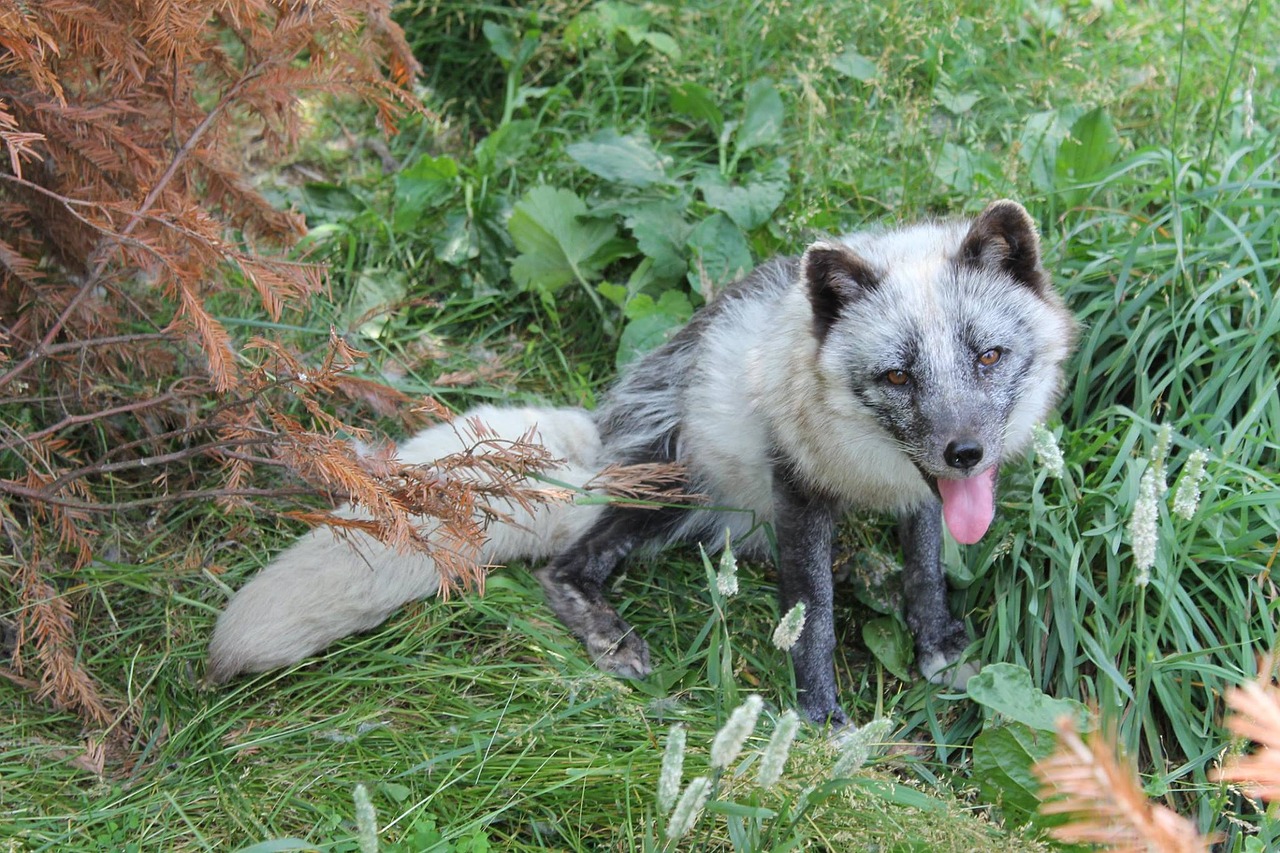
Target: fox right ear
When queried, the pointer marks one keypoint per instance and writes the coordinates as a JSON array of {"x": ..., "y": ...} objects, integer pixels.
[
  {"x": 835, "y": 275},
  {"x": 1004, "y": 237}
]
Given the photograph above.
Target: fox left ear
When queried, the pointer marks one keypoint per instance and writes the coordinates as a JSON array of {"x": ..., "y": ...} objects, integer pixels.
[{"x": 1004, "y": 237}]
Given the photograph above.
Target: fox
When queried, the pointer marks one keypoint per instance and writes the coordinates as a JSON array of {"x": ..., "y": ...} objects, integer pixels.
[{"x": 894, "y": 370}]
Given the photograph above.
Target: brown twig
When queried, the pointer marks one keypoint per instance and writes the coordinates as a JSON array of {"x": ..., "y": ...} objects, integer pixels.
[
  {"x": 18, "y": 490},
  {"x": 99, "y": 468},
  {"x": 90, "y": 417}
]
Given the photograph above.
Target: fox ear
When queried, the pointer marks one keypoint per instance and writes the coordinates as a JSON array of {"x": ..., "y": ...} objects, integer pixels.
[
  {"x": 1004, "y": 237},
  {"x": 835, "y": 275}
]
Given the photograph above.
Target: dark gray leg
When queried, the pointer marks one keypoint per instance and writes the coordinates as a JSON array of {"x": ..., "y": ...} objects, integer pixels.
[
  {"x": 574, "y": 585},
  {"x": 940, "y": 637},
  {"x": 805, "y": 527}
]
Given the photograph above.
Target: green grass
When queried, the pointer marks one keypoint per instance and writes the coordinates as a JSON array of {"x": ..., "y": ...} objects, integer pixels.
[
  {"x": 478, "y": 717},
  {"x": 476, "y": 723}
]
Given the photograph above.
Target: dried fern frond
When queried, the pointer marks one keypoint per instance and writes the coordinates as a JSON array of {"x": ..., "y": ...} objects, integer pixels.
[{"x": 1105, "y": 802}]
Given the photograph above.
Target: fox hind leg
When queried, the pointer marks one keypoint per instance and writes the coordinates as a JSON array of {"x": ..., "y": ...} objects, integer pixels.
[{"x": 574, "y": 586}]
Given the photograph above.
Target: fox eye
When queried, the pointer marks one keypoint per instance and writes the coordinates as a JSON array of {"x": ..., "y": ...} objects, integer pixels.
[
  {"x": 990, "y": 357},
  {"x": 896, "y": 377}
]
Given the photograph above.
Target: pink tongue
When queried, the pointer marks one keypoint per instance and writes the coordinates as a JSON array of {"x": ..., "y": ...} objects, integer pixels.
[{"x": 969, "y": 505}]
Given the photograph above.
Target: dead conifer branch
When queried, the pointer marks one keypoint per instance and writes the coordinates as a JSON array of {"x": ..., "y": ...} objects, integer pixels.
[
  {"x": 123, "y": 210},
  {"x": 442, "y": 508},
  {"x": 47, "y": 621}
]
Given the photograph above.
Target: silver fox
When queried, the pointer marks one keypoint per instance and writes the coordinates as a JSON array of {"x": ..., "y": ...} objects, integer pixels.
[{"x": 890, "y": 370}]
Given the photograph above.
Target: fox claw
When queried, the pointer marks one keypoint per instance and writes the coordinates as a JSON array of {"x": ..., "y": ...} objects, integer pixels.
[
  {"x": 626, "y": 656},
  {"x": 953, "y": 673}
]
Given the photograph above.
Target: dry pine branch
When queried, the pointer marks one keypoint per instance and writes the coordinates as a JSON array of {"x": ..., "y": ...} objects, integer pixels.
[{"x": 124, "y": 207}]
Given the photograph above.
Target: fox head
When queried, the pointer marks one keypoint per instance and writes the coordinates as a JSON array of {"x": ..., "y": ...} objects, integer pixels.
[{"x": 951, "y": 337}]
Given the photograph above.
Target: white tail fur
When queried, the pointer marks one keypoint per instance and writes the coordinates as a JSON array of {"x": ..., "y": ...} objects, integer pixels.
[{"x": 325, "y": 587}]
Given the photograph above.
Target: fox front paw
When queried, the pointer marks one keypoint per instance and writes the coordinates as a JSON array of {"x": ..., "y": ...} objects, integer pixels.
[
  {"x": 953, "y": 674},
  {"x": 943, "y": 663}
]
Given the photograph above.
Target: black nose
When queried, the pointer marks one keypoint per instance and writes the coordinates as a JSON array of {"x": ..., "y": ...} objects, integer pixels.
[{"x": 963, "y": 453}]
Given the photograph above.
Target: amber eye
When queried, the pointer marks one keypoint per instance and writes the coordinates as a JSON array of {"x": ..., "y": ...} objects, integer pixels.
[
  {"x": 989, "y": 357},
  {"x": 897, "y": 377}
]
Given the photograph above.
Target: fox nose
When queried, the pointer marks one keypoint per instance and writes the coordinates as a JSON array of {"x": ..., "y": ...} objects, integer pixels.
[{"x": 963, "y": 453}]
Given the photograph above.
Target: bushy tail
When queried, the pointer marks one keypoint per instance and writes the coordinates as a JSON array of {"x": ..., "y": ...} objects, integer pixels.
[{"x": 325, "y": 587}]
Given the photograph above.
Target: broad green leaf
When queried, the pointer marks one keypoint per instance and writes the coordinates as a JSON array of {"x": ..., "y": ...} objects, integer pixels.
[
  {"x": 762, "y": 117},
  {"x": 525, "y": 94},
  {"x": 661, "y": 231},
  {"x": 728, "y": 807},
  {"x": 557, "y": 242},
  {"x": 1087, "y": 152},
  {"x": 624, "y": 17},
  {"x": 956, "y": 103},
  {"x": 608, "y": 20},
  {"x": 645, "y": 334},
  {"x": 1038, "y": 144},
  {"x": 751, "y": 203},
  {"x": 422, "y": 187},
  {"x": 876, "y": 580},
  {"x": 488, "y": 219},
  {"x": 397, "y": 792},
  {"x": 628, "y": 160},
  {"x": 954, "y": 166},
  {"x": 613, "y": 250},
  {"x": 1002, "y": 760},
  {"x": 501, "y": 40},
  {"x": 727, "y": 130},
  {"x": 615, "y": 293},
  {"x": 376, "y": 291},
  {"x": 652, "y": 323},
  {"x": 889, "y": 641},
  {"x": 898, "y": 794},
  {"x": 456, "y": 242},
  {"x": 635, "y": 23},
  {"x": 642, "y": 280},
  {"x": 850, "y": 63},
  {"x": 330, "y": 202},
  {"x": 696, "y": 102},
  {"x": 672, "y": 303},
  {"x": 477, "y": 843},
  {"x": 718, "y": 254},
  {"x": 954, "y": 564},
  {"x": 584, "y": 26},
  {"x": 506, "y": 147},
  {"x": 961, "y": 168},
  {"x": 662, "y": 43},
  {"x": 1006, "y": 688}
]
